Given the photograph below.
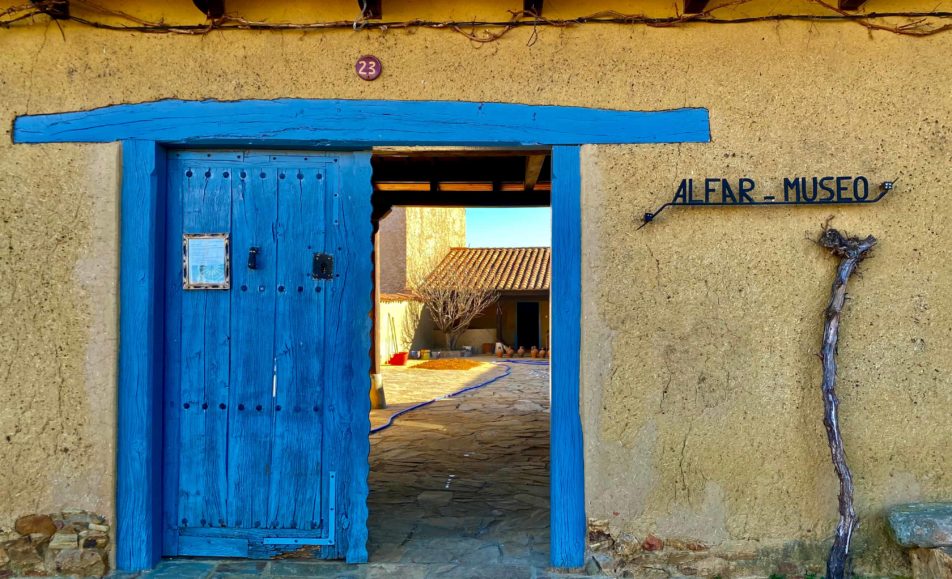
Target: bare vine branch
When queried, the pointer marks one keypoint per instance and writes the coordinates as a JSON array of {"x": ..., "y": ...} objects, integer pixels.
[
  {"x": 917, "y": 24},
  {"x": 850, "y": 250}
]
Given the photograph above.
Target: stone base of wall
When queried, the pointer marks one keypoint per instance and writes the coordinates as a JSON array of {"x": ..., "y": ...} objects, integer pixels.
[
  {"x": 931, "y": 563},
  {"x": 653, "y": 557},
  {"x": 67, "y": 543}
]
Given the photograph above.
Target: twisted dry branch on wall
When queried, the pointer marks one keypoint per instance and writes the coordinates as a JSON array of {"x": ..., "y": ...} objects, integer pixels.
[
  {"x": 916, "y": 24},
  {"x": 850, "y": 250}
]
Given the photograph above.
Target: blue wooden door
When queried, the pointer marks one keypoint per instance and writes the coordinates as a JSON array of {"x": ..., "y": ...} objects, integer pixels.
[{"x": 265, "y": 370}]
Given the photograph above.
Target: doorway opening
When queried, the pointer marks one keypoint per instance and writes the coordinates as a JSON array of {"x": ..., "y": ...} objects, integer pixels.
[
  {"x": 459, "y": 462},
  {"x": 527, "y": 323}
]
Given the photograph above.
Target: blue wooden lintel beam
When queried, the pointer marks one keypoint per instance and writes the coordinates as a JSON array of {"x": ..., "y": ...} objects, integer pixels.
[{"x": 356, "y": 123}]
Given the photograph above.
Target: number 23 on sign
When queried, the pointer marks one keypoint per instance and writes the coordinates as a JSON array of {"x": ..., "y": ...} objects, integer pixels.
[{"x": 368, "y": 67}]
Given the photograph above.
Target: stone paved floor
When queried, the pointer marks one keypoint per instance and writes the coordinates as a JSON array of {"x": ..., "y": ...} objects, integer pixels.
[
  {"x": 213, "y": 569},
  {"x": 458, "y": 489},
  {"x": 465, "y": 479}
]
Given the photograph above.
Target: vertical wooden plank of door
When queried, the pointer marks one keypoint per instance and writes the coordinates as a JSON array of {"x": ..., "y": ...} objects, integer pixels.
[
  {"x": 205, "y": 362},
  {"x": 252, "y": 347},
  {"x": 299, "y": 352},
  {"x": 347, "y": 342},
  {"x": 567, "y": 476},
  {"x": 173, "y": 351}
]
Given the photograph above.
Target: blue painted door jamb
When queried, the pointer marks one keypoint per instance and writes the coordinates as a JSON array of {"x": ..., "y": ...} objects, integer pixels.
[
  {"x": 568, "y": 527},
  {"x": 141, "y": 356},
  {"x": 145, "y": 130}
]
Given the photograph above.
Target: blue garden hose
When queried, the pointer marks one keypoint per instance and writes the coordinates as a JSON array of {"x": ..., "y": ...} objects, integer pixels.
[
  {"x": 535, "y": 362},
  {"x": 419, "y": 405}
]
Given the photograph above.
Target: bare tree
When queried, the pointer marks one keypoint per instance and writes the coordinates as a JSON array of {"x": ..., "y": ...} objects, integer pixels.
[{"x": 454, "y": 300}]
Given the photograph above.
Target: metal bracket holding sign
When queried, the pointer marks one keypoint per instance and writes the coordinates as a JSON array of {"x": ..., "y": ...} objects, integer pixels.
[
  {"x": 206, "y": 261},
  {"x": 717, "y": 192}
]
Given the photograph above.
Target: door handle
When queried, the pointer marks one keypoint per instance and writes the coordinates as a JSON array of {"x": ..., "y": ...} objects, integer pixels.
[
  {"x": 253, "y": 258},
  {"x": 322, "y": 266}
]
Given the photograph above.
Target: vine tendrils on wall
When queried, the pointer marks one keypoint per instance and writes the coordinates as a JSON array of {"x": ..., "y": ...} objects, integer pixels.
[{"x": 916, "y": 24}]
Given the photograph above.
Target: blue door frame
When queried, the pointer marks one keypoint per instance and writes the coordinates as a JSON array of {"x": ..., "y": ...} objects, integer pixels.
[{"x": 146, "y": 130}]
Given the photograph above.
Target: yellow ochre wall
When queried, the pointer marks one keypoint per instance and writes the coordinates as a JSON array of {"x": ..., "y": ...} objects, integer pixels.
[
  {"x": 414, "y": 240},
  {"x": 700, "y": 380}
]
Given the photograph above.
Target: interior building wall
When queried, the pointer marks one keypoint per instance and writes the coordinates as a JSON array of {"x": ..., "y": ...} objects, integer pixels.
[
  {"x": 405, "y": 325},
  {"x": 413, "y": 240}
]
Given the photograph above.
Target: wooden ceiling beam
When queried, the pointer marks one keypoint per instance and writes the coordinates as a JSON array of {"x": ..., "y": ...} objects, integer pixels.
[
  {"x": 533, "y": 170},
  {"x": 445, "y": 152},
  {"x": 851, "y": 4},
  {"x": 694, "y": 6},
  {"x": 454, "y": 186},
  {"x": 383, "y": 200}
]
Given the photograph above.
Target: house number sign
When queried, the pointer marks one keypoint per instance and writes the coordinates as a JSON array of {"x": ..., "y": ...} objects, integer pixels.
[
  {"x": 715, "y": 191},
  {"x": 368, "y": 67}
]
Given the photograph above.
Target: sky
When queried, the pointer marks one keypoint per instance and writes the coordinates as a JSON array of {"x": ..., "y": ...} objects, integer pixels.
[{"x": 509, "y": 227}]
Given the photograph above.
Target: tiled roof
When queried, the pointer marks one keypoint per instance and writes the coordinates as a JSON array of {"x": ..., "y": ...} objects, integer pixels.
[
  {"x": 505, "y": 269},
  {"x": 398, "y": 297}
]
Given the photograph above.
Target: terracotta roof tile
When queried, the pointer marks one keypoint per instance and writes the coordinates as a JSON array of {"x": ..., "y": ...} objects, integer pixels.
[
  {"x": 406, "y": 296},
  {"x": 506, "y": 269}
]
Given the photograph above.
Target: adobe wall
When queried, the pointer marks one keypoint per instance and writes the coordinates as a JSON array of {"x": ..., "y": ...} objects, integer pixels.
[
  {"x": 701, "y": 412},
  {"x": 431, "y": 232},
  {"x": 405, "y": 326},
  {"x": 392, "y": 246},
  {"x": 413, "y": 240}
]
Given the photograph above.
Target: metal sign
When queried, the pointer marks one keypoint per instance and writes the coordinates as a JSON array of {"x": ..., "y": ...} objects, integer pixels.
[
  {"x": 844, "y": 190},
  {"x": 206, "y": 261},
  {"x": 368, "y": 67}
]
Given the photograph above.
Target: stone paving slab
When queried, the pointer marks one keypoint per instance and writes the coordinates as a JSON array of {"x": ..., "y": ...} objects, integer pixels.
[{"x": 217, "y": 569}]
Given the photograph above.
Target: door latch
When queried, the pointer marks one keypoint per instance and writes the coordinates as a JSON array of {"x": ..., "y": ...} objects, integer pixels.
[
  {"x": 253, "y": 258},
  {"x": 322, "y": 266}
]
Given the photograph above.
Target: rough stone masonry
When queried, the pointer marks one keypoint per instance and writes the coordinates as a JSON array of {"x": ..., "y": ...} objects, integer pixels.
[{"x": 66, "y": 543}]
